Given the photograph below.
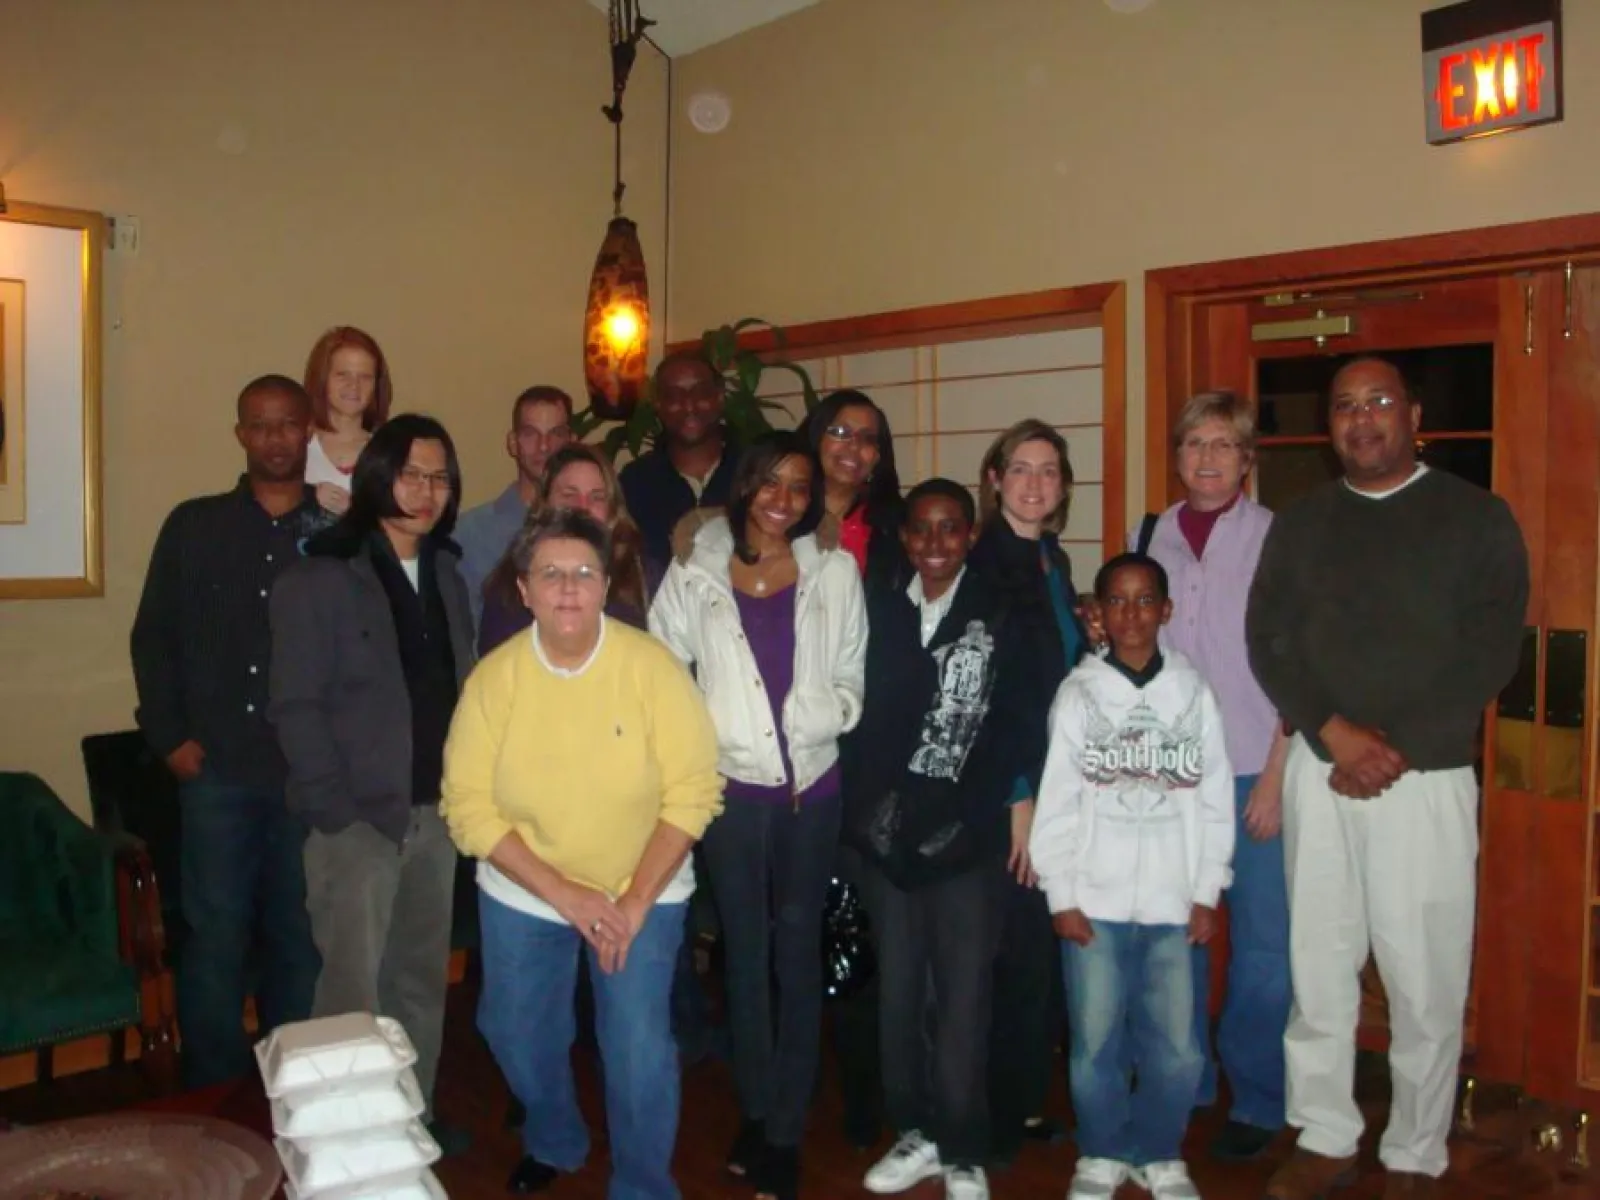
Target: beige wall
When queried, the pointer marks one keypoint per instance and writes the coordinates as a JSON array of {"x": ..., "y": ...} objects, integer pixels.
[
  {"x": 437, "y": 173},
  {"x": 892, "y": 153}
]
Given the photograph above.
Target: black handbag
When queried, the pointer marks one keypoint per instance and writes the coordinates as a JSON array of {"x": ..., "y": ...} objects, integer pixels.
[{"x": 848, "y": 959}]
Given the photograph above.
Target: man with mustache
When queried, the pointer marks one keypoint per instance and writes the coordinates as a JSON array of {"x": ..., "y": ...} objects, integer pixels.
[
  {"x": 201, "y": 646},
  {"x": 1385, "y": 614}
]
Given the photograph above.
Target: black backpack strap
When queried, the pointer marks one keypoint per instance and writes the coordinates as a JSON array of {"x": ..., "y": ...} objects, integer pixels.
[{"x": 1147, "y": 530}]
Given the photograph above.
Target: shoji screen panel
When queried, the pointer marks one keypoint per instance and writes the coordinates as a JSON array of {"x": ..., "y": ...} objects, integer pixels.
[{"x": 946, "y": 403}]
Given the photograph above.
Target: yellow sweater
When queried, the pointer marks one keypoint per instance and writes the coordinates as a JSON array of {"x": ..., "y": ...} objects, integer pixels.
[{"x": 581, "y": 767}]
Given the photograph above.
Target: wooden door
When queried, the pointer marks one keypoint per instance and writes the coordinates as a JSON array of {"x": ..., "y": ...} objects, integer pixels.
[{"x": 1506, "y": 367}]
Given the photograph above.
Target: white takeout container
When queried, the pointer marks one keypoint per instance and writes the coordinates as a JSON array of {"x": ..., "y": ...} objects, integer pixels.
[
  {"x": 423, "y": 1185},
  {"x": 316, "y": 1165},
  {"x": 333, "y": 1051},
  {"x": 348, "y": 1108}
]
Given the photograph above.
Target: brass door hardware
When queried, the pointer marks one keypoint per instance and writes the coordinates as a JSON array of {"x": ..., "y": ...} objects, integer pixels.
[
  {"x": 1318, "y": 328},
  {"x": 1580, "y": 1142},
  {"x": 1566, "y": 302},
  {"x": 1466, "y": 1122},
  {"x": 1546, "y": 1138},
  {"x": 1527, "y": 319}
]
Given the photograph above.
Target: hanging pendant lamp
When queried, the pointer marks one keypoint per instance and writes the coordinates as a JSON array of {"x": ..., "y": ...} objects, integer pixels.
[{"x": 616, "y": 320}]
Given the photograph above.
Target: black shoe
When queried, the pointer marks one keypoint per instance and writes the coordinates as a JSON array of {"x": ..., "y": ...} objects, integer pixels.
[
  {"x": 1043, "y": 1129},
  {"x": 452, "y": 1139},
  {"x": 1239, "y": 1142},
  {"x": 531, "y": 1175},
  {"x": 777, "y": 1175},
  {"x": 748, "y": 1148},
  {"x": 862, "y": 1131}
]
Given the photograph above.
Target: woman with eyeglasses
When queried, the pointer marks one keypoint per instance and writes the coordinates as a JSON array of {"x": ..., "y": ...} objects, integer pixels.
[
  {"x": 776, "y": 630},
  {"x": 1209, "y": 543},
  {"x": 581, "y": 769},
  {"x": 1024, "y": 492}
]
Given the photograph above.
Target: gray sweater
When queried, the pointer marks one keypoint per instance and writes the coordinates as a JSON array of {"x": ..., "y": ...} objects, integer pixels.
[{"x": 1403, "y": 613}]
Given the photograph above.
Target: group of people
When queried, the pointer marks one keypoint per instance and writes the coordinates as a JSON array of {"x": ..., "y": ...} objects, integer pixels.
[{"x": 760, "y": 668}]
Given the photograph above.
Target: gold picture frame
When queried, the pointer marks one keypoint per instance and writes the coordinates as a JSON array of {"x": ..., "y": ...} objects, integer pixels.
[{"x": 51, "y": 516}]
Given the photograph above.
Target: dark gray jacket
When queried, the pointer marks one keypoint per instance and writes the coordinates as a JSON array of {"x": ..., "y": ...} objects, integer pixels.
[{"x": 338, "y": 692}]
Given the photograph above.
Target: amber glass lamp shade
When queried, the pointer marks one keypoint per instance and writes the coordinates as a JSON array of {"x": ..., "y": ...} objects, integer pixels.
[{"x": 616, "y": 324}]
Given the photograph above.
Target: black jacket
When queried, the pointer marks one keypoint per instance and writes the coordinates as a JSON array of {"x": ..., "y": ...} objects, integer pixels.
[
  {"x": 1012, "y": 564},
  {"x": 944, "y": 732},
  {"x": 339, "y": 696}
]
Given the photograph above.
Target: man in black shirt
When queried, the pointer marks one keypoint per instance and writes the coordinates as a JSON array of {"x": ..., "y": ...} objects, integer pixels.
[
  {"x": 693, "y": 465},
  {"x": 201, "y": 648},
  {"x": 1385, "y": 614}
]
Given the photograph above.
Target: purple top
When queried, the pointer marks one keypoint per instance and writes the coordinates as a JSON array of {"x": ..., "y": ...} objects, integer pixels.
[
  {"x": 769, "y": 629},
  {"x": 1209, "y": 593}
]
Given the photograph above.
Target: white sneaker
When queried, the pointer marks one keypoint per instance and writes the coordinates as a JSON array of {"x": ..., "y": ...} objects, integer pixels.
[
  {"x": 1166, "y": 1181},
  {"x": 909, "y": 1161},
  {"x": 965, "y": 1183},
  {"x": 1098, "y": 1178}
]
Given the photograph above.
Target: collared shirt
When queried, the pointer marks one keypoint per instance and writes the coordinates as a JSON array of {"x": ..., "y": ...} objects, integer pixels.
[
  {"x": 658, "y": 496},
  {"x": 566, "y": 672},
  {"x": 485, "y": 534},
  {"x": 932, "y": 612},
  {"x": 201, "y": 642},
  {"x": 1209, "y": 596}
]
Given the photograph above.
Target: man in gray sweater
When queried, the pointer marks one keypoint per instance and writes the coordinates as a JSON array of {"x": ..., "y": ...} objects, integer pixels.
[{"x": 1385, "y": 615}]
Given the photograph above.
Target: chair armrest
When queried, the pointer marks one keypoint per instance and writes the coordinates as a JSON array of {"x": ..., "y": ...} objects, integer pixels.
[{"x": 141, "y": 935}]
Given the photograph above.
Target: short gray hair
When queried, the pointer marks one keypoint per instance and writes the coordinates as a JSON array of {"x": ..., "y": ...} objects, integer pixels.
[
  {"x": 559, "y": 524},
  {"x": 1227, "y": 407}
]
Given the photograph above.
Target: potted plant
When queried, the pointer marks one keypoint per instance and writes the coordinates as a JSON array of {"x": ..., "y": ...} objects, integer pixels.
[{"x": 744, "y": 410}]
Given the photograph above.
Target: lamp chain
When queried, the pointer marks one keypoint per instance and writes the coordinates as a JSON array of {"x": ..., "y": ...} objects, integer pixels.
[{"x": 627, "y": 28}]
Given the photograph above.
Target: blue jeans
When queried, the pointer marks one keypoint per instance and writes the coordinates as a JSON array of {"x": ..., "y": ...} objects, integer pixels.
[
  {"x": 530, "y": 968},
  {"x": 1130, "y": 1000},
  {"x": 1255, "y": 1013},
  {"x": 243, "y": 891}
]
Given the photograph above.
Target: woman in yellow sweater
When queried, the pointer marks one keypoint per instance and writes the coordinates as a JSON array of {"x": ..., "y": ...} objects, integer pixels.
[{"x": 581, "y": 768}]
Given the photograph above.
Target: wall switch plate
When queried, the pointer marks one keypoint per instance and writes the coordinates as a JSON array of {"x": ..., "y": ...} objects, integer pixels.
[{"x": 123, "y": 232}]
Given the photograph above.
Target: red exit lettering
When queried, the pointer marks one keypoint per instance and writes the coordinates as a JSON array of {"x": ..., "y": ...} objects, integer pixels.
[{"x": 1505, "y": 79}]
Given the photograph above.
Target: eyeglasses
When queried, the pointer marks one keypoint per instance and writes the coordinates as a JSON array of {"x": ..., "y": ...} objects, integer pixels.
[
  {"x": 416, "y": 477},
  {"x": 1349, "y": 406},
  {"x": 580, "y": 577},
  {"x": 1221, "y": 447},
  {"x": 845, "y": 433}
]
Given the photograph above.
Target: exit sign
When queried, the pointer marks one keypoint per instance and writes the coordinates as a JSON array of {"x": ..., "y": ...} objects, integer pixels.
[{"x": 1489, "y": 66}]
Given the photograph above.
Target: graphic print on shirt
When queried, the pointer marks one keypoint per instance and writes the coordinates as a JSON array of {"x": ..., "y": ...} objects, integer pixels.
[
  {"x": 1139, "y": 767},
  {"x": 966, "y": 677}
]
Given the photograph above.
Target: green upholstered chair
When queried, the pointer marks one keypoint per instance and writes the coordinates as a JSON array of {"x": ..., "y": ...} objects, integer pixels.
[{"x": 81, "y": 939}]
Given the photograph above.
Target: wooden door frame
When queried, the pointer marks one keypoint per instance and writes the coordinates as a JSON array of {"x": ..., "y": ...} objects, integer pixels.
[
  {"x": 1088, "y": 306},
  {"x": 1172, "y": 292}
]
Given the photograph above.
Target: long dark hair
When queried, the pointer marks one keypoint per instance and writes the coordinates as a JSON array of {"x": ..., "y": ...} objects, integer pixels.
[
  {"x": 881, "y": 498},
  {"x": 755, "y": 467},
  {"x": 372, "y": 486}
]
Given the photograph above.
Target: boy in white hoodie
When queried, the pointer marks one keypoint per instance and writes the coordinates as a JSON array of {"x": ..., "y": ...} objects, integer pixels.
[{"x": 1132, "y": 842}]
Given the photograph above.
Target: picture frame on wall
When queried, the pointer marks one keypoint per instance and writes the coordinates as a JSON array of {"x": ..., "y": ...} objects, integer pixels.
[{"x": 50, "y": 464}]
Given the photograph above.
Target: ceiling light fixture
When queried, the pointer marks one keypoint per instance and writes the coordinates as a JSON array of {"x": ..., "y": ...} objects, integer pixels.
[{"x": 616, "y": 323}]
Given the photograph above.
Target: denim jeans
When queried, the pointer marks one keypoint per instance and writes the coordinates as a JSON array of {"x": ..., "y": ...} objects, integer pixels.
[
  {"x": 770, "y": 865},
  {"x": 1130, "y": 1004},
  {"x": 1256, "y": 1008},
  {"x": 243, "y": 892},
  {"x": 530, "y": 968}
]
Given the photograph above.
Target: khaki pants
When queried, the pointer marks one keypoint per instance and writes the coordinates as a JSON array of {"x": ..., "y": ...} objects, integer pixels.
[{"x": 1398, "y": 875}]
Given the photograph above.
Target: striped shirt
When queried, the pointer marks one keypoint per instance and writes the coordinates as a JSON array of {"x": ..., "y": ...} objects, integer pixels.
[{"x": 1209, "y": 595}]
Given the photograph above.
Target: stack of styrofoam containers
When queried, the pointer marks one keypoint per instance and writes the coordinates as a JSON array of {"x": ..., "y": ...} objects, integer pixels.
[{"x": 346, "y": 1109}]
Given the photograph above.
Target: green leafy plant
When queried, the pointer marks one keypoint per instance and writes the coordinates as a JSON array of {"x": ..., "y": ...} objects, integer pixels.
[{"x": 744, "y": 409}]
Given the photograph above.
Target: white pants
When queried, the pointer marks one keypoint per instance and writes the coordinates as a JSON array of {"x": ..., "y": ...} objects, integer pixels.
[{"x": 1398, "y": 874}]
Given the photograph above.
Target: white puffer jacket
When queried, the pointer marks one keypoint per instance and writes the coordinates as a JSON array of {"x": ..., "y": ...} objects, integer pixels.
[{"x": 696, "y": 614}]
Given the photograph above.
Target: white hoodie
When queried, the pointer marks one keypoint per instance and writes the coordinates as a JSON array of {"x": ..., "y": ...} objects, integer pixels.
[{"x": 1135, "y": 819}]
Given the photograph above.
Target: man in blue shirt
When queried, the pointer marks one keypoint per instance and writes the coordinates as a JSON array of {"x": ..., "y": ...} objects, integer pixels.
[
  {"x": 541, "y": 423},
  {"x": 691, "y": 465}
]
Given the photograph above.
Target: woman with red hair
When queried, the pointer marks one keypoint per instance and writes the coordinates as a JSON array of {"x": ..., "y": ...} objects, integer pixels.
[{"x": 348, "y": 379}]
